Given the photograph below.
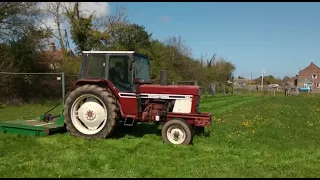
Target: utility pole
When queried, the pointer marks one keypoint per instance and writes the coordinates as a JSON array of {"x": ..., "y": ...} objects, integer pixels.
[
  {"x": 251, "y": 76},
  {"x": 262, "y": 74}
]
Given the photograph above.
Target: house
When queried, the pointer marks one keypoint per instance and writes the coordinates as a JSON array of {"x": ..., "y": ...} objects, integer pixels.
[
  {"x": 309, "y": 77},
  {"x": 242, "y": 82},
  {"x": 56, "y": 55}
]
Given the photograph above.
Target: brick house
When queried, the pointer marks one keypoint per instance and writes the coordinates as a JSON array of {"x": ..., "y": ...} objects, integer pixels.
[
  {"x": 308, "y": 77},
  {"x": 56, "y": 55}
]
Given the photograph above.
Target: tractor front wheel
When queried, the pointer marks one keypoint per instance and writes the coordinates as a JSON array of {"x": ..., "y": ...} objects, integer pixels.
[
  {"x": 91, "y": 112},
  {"x": 177, "y": 131}
]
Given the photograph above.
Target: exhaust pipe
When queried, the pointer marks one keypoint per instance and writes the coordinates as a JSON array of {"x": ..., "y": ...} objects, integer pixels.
[{"x": 164, "y": 78}]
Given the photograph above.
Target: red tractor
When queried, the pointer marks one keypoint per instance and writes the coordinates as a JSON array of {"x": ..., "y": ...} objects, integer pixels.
[{"x": 114, "y": 88}]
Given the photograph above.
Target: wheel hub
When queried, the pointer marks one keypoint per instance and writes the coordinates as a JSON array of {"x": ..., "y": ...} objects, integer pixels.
[
  {"x": 90, "y": 115},
  {"x": 176, "y": 135}
]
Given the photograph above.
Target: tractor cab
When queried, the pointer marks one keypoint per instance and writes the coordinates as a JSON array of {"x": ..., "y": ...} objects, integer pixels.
[{"x": 121, "y": 68}]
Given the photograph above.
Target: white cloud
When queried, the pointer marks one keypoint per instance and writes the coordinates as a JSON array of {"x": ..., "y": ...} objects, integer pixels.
[{"x": 99, "y": 8}]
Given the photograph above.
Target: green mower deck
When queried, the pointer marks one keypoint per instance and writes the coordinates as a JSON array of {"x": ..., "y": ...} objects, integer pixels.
[{"x": 32, "y": 127}]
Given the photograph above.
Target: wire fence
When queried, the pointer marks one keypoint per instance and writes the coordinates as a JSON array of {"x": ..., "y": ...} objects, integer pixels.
[
  {"x": 268, "y": 90},
  {"x": 18, "y": 88},
  {"x": 272, "y": 90}
]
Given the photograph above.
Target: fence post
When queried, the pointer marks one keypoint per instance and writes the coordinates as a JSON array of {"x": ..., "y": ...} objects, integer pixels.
[
  {"x": 63, "y": 87},
  {"x": 224, "y": 89},
  {"x": 212, "y": 89},
  {"x": 313, "y": 89}
]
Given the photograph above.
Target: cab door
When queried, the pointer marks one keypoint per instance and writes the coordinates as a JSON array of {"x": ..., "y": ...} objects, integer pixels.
[
  {"x": 123, "y": 81},
  {"x": 94, "y": 65}
]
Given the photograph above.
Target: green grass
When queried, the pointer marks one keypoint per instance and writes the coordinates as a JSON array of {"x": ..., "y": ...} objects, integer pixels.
[{"x": 251, "y": 137}]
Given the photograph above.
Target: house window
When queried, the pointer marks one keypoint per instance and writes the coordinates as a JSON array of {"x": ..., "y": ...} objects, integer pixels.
[
  {"x": 314, "y": 76},
  {"x": 306, "y": 85}
]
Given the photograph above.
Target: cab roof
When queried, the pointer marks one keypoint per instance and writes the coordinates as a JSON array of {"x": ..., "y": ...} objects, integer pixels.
[
  {"x": 108, "y": 52},
  {"x": 114, "y": 52}
]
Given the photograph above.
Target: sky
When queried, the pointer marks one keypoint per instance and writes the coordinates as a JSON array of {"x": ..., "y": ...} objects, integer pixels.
[{"x": 280, "y": 38}]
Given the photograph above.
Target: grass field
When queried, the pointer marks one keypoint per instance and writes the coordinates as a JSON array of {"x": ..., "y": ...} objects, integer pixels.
[{"x": 251, "y": 137}]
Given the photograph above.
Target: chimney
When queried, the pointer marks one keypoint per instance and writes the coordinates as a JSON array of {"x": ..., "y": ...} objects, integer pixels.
[{"x": 52, "y": 47}]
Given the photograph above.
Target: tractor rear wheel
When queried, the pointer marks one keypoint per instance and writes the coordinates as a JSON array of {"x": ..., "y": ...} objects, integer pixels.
[
  {"x": 91, "y": 112},
  {"x": 177, "y": 131}
]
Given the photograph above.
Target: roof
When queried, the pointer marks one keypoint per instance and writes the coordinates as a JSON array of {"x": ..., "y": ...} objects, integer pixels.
[
  {"x": 55, "y": 55},
  {"x": 115, "y": 52},
  {"x": 313, "y": 64},
  {"x": 310, "y": 65}
]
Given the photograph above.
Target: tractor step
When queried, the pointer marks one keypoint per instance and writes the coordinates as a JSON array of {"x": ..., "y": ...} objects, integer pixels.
[
  {"x": 30, "y": 127},
  {"x": 129, "y": 121}
]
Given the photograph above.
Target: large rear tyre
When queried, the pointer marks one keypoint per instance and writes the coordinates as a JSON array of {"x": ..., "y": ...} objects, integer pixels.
[
  {"x": 177, "y": 131},
  {"x": 91, "y": 112}
]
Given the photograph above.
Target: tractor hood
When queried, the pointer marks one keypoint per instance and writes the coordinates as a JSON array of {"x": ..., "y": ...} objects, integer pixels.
[{"x": 170, "y": 89}]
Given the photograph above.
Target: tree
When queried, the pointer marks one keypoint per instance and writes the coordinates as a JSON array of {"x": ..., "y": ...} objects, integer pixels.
[
  {"x": 55, "y": 10},
  {"x": 111, "y": 21},
  {"x": 20, "y": 37},
  {"x": 26, "y": 52},
  {"x": 114, "y": 32},
  {"x": 16, "y": 18},
  {"x": 6, "y": 64},
  {"x": 128, "y": 37},
  {"x": 92, "y": 32},
  {"x": 81, "y": 27},
  {"x": 179, "y": 44}
]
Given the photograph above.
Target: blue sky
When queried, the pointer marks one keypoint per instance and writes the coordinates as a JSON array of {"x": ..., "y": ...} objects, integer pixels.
[{"x": 278, "y": 37}]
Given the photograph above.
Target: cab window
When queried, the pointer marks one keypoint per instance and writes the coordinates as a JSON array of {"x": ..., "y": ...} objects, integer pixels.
[{"x": 119, "y": 72}]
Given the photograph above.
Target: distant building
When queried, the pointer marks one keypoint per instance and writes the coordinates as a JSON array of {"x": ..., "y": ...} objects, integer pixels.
[
  {"x": 242, "y": 82},
  {"x": 309, "y": 77},
  {"x": 56, "y": 55}
]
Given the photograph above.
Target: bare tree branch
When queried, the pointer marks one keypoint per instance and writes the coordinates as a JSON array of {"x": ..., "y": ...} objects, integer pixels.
[
  {"x": 212, "y": 61},
  {"x": 55, "y": 11},
  {"x": 15, "y": 17}
]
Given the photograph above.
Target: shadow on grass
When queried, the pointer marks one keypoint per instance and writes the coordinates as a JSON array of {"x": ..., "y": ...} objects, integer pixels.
[
  {"x": 139, "y": 130},
  {"x": 142, "y": 129},
  {"x": 202, "y": 134}
]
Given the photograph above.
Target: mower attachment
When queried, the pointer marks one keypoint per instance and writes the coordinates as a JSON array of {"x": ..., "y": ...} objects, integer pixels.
[{"x": 44, "y": 126}]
